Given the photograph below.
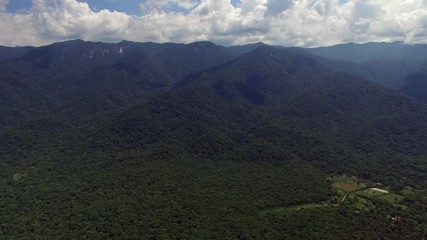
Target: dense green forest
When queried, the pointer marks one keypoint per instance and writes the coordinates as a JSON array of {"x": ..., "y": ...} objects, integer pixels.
[{"x": 236, "y": 142}]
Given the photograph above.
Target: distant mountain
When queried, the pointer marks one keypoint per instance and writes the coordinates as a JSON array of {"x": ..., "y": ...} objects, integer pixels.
[
  {"x": 416, "y": 85},
  {"x": 335, "y": 106},
  {"x": 388, "y": 64},
  {"x": 74, "y": 70},
  {"x": 13, "y": 52},
  {"x": 197, "y": 141},
  {"x": 370, "y": 51}
]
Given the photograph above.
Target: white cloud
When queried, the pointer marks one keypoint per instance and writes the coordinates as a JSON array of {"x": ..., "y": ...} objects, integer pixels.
[
  {"x": 285, "y": 22},
  {"x": 3, "y": 5}
]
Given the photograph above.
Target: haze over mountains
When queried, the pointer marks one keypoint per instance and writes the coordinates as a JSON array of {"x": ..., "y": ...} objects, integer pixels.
[
  {"x": 193, "y": 140},
  {"x": 394, "y": 65}
]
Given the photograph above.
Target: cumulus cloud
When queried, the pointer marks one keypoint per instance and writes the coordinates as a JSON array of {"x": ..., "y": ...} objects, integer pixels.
[
  {"x": 3, "y": 5},
  {"x": 284, "y": 22}
]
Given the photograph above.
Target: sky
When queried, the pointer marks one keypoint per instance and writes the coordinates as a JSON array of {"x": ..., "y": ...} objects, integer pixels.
[{"x": 306, "y": 23}]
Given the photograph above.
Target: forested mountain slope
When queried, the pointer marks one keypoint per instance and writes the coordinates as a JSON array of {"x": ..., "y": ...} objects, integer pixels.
[
  {"x": 13, "y": 52},
  {"x": 199, "y": 141},
  {"x": 63, "y": 74}
]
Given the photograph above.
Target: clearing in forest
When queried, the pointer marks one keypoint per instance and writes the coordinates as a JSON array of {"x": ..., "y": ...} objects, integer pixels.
[{"x": 347, "y": 183}]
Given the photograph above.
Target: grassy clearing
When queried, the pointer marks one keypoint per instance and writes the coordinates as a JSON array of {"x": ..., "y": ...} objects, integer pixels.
[
  {"x": 373, "y": 194},
  {"x": 369, "y": 193},
  {"x": 347, "y": 183},
  {"x": 392, "y": 197},
  {"x": 349, "y": 190},
  {"x": 361, "y": 195}
]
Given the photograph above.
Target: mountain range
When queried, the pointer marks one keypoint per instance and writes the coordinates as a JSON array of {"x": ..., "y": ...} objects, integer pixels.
[
  {"x": 393, "y": 65},
  {"x": 179, "y": 141}
]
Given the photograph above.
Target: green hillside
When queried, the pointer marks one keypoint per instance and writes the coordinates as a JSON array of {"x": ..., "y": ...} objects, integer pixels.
[{"x": 215, "y": 143}]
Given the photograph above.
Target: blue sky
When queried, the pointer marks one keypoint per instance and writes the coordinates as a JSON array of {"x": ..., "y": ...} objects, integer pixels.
[
  {"x": 127, "y": 6},
  {"x": 19, "y": 5}
]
